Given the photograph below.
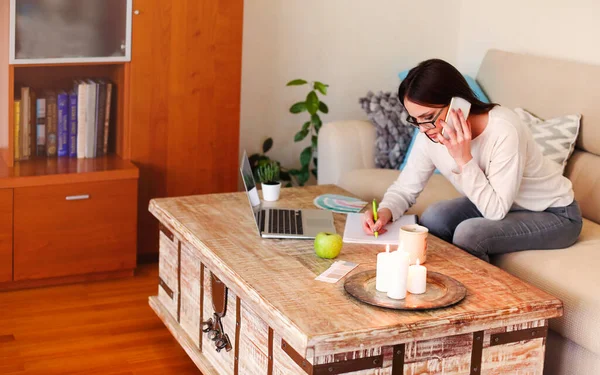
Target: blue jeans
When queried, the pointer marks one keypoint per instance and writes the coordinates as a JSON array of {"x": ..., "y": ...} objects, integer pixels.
[{"x": 458, "y": 221}]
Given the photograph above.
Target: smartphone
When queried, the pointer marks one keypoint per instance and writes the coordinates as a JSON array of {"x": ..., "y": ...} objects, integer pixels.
[{"x": 456, "y": 103}]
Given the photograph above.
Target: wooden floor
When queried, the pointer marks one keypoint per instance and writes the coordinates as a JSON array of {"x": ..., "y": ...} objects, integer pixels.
[{"x": 103, "y": 328}]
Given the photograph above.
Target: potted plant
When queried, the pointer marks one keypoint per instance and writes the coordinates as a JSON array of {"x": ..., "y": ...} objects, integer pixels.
[{"x": 268, "y": 175}]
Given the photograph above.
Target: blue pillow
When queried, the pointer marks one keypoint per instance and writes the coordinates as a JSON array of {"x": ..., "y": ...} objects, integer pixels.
[{"x": 472, "y": 84}]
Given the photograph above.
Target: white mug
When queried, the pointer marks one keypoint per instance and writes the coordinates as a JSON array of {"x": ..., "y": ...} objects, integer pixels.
[{"x": 413, "y": 240}]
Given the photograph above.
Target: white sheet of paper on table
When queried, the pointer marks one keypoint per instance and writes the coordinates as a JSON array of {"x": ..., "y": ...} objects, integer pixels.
[
  {"x": 336, "y": 271},
  {"x": 354, "y": 233}
]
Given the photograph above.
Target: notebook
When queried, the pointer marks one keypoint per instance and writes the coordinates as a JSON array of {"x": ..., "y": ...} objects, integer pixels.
[{"x": 354, "y": 232}]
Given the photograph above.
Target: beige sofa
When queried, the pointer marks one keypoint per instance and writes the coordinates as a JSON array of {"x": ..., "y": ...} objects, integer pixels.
[{"x": 547, "y": 88}]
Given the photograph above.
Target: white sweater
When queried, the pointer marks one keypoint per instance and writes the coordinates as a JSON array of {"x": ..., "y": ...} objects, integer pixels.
[{"x": 508, "y": 171}]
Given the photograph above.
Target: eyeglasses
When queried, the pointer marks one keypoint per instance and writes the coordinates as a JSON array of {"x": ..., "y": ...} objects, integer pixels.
[{"x": 425, "y": 124}]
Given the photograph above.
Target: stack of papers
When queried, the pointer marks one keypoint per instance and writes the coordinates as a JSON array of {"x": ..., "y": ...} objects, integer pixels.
[{"x": 354, "y": 232}]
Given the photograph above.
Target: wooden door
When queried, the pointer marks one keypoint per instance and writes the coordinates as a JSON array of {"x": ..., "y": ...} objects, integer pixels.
[{"x": 184, "y": 101}]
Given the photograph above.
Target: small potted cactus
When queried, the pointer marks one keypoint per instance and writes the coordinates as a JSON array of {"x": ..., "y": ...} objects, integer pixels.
[{"x": 268, "y": 175}]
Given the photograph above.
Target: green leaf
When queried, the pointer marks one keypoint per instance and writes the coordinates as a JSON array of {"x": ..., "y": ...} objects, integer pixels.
[
  {"x": 297, "y": 82},
  {"x": 300, "y": 135},
  {"x": 305, "y": 157},
  {"x": 314, "y": 172},
  {"x": 318, "y": 127},
  {"x": 321, "y": 87},
  {"x": 323, "y": 107},
  {"x": 295, "y": 172},
  {"x": 289, "y": 184},
  {"x": 263, "y": 161},
  {"x": 303, "y": 178},
  {"x": 285, "y": 176},
  {"x": 312, "y": 102},
  {"x": 298, "y": 107},
  {"x": 267, "y": 144},
  {"x": 315, "y": 162},
  {"x": 306, "y": 125},
  {"x": 316, "y": 120},
  {"x": 254, "y": 158},
  {"x": 315, "y": 141}
]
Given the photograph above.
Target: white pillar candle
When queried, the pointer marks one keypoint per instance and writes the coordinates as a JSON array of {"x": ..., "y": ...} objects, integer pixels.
[
  {"x": 417, "y": 279},
  {"x": 383, "y": 270},
  {"x": 399, "y": 261}
]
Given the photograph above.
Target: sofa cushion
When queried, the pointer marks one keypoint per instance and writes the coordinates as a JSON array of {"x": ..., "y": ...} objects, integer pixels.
[
  {"x": 583, "y": 172},
  {"x": 572, "y": 276},
  {"x": 564, "y": 357},
  {"x": 555, "y": 137},
  {"x": 393, "y": 132},
  {"x": 369, "y": 184}
]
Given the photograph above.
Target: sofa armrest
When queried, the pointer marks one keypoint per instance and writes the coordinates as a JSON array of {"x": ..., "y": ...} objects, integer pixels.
[{"x": 345, "y": 146}]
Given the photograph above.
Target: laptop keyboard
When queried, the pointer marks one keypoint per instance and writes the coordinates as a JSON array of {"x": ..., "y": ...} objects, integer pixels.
[{"x": 284, "y": 221}]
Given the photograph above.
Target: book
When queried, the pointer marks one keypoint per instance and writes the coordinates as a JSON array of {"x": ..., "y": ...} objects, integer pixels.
[
  {"x": 26, "y": 106},
  {"x": 40, "y": 127},
  {"x": 90, "y": 126},
  {"x": 51, "y": 124},
  {"x": 82, "y": 100},
  {"x": 63, "y": 126},
  {"x": 32, "y": 124},
  {"x": 354, "y": 233},
  {"x": 17, "y": 130},
  {"x": 109, "y": 87},
  {"x": 72, "y": 119},
  {"x": 100, "y": 117}
]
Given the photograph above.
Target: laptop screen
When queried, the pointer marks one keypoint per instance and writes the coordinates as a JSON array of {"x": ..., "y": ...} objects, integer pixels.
[{"x": 251, "y": 189}]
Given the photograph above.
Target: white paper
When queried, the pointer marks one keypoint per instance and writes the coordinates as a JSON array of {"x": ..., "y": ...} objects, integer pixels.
[
  {"x": 336, "y": 271},
  {"x": 354, "y": 232}
]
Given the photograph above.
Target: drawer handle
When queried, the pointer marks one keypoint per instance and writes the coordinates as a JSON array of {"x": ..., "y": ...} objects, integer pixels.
[{"x": 77, "y": 197}]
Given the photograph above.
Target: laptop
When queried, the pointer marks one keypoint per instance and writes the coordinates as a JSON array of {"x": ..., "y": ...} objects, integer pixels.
[{"x": 283, "y": 222}]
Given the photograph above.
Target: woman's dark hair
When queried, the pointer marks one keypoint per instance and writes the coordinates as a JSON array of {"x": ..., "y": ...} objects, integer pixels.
[{"x": 434, "y": 82}]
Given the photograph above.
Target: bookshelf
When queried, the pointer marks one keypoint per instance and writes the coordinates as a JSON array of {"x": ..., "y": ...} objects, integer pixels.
[
  {"x": 83, "y": 211},
  {"x": 60, "y": 76}
]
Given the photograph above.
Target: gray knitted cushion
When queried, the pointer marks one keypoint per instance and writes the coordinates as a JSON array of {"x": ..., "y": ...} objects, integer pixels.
[{"x": 393, "y": 132}]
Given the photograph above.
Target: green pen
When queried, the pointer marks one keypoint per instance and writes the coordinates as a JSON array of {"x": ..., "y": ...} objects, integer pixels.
[{"x": 375, "y": 215}]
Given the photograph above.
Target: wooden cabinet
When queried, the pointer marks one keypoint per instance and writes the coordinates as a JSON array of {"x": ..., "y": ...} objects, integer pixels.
[
  {"x": 6, "y": 235},
  {"x": 46, "y": 238},
  {"x": 184, "y": 101},
  {"x": 72, "y": 229}
]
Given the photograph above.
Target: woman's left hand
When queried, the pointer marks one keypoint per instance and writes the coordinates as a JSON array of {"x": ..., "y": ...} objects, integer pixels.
[{"x": 459, "y": 144}]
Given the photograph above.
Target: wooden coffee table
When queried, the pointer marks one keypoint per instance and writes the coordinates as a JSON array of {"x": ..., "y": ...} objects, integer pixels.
[{"x": 276, "y": 319}]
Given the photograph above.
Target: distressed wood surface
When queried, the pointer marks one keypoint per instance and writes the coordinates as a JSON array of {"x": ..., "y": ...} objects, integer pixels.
[
  {"x": 254, "y": 349},
  {"x": 452, "y": 355},
  {"x": 276, "y": 279},
  {"x": 223, "y": 360},
  {"x": 167, "y": 271},
  {"x": 181, "y": 336},
  {"x": 189, "y": 316}
]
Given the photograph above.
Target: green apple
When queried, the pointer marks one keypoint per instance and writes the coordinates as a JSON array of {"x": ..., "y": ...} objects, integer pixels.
[{"x": 328, "y": 245}]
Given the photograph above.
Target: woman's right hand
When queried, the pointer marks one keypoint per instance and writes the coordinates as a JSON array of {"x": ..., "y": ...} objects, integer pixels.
[{"x": 384, "y": 216}]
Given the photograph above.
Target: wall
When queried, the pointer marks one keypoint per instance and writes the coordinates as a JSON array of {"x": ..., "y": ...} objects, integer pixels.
[
  {"x": 353, "y": 45},
  {"x": 556, "y": 28},
  {"x": 357, "y": 46}
]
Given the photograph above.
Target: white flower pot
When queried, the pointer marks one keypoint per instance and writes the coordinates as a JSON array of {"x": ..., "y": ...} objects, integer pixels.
[{"x": 271, "y": 192}]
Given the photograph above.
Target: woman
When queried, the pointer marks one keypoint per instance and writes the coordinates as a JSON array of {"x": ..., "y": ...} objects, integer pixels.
[{"x": 513, "y": 198}]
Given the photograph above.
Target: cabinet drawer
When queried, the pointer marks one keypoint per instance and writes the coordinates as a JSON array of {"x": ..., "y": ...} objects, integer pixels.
[{"x": 62, "y": 230}]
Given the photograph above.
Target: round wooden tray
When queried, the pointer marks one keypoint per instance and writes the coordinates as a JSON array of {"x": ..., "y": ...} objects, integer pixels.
[{"x": 442, "y": 291}]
